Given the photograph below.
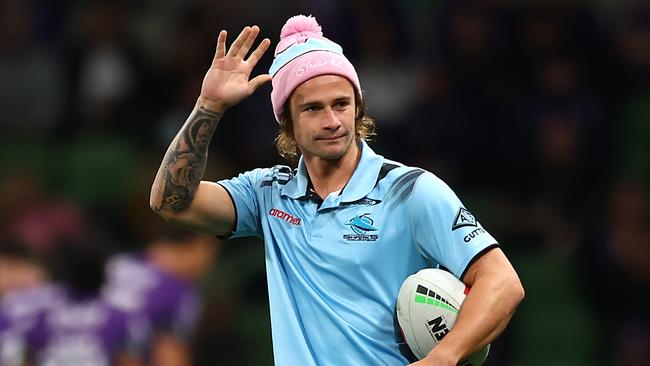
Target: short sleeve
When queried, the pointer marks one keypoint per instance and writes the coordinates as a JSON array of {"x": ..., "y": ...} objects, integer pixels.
[
  {"x": 442, "y": 228},
  {"x": 243, "y": 191}
]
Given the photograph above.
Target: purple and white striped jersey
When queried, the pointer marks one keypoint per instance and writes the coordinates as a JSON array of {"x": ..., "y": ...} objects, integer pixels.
[
  {"x": 18, "y": 313},
  {"x": 21, "y": 307},
  {"x": 137, "y": 286},
  {"x": 54, "y": 329},
  {"x": 84, "y": 331}
]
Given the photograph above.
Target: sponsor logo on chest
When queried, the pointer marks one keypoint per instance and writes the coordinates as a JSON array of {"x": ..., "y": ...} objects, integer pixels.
[{"x": 284, "y": 216}]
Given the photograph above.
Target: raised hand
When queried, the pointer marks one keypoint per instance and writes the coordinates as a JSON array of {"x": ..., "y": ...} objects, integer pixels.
[{"x": 228, "y": 82}]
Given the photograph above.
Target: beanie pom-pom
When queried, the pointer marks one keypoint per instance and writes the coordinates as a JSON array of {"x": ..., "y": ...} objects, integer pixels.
[{"x": 299, "y": 24}]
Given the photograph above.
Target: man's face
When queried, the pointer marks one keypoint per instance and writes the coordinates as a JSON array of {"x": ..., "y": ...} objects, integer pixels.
[{"x": 323, "y": 111}]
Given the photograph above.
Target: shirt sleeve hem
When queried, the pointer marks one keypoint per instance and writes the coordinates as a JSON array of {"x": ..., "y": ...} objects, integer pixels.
[
  {"x": 234, "y": 204},
  {"x": 477, "y": 256}
]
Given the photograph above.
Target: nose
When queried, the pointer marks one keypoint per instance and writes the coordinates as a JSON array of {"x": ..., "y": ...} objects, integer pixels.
[{"x": 330, "y": 119}]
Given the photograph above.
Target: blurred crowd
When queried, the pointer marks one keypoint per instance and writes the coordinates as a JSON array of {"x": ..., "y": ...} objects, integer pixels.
[{"x": 537, "y": 113}]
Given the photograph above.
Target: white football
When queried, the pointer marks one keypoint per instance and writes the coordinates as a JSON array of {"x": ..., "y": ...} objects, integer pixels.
[{"x": 427, "y": 306}]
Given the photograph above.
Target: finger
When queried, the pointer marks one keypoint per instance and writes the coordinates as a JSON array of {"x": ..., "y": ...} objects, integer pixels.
[
  {"x": 221, "y": 45},
  {"x": 258, "y": 81},
  {"x": 234, "y": 48},
  {"x": 248, "y": 43},
  {"x": 259, "y": 52}
]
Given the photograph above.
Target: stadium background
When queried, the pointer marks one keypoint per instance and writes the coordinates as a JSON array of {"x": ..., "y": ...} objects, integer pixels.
[{"x": 537, "y": 113}]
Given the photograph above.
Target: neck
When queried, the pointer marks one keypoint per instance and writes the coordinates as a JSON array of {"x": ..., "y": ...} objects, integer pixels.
[{"x": 329, "y": 176}]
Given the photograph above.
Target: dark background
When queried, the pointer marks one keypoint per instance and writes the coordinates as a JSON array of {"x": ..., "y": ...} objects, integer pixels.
[{"x": 536, "y": 113}]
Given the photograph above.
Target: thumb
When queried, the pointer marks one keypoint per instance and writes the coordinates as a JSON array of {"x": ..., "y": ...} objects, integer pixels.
[{"x": 258, "y": 81}]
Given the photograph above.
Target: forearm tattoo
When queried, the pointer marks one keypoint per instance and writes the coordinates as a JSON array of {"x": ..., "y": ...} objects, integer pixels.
[{"x": 184, "y": 163}]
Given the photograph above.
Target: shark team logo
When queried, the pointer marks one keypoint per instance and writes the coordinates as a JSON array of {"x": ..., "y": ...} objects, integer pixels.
[
  {"x": 464, "y": 218},
  {"x": 362, "y": 226}
]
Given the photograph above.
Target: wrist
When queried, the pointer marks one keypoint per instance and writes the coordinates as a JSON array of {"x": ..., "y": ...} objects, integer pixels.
[
  {"x": 210, "y": 105},
  {"x": 441, "y": 355}
]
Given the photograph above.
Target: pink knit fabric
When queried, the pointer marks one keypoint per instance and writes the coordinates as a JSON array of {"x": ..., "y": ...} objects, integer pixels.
[{"x": 298, "y": 30}]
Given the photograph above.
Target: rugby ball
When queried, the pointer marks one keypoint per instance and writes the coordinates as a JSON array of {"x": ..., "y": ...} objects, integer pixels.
[{"x": 427, "y": 306}]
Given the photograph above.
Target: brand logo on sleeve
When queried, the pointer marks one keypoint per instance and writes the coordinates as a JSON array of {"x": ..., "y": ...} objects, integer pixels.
[
  {"x": 473, "y": 234},
  {"x": 463, "y": 218},
  {"x": 362, "y": 226},
  {"x": 293, "y": 220}
]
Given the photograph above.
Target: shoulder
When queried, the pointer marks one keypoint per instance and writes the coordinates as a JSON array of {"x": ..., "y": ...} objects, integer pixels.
[
  {"x": 130, "y": 269},
  {"x": 261, "y": 177},
  {"x": 395, "y": 177},
  {"x": 399, "y": 175},
  {"x": 402, "y": 183},
  {"x": 29, "y": 303},
  {"x": 281, "y": 174}
]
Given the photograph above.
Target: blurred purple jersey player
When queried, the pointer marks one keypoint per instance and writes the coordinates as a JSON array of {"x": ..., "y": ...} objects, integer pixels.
[
  {"x": 137, "y": 285},
  {"x": 158, "y": 285},
  {"x": 20, "y": 308},
  {"x": 69, "y": 323},
  {"x": 84, "y": 331},
  {"x": 18, "y": 311}
]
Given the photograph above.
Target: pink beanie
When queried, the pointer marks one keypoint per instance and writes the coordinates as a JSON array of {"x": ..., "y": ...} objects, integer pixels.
[{"x": 301, "y": 54}]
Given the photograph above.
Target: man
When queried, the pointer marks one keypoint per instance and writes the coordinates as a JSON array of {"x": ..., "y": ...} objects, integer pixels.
[
  {"x": 67, "y": 322},
  {"x": 18, "y": 311},
  {"x": 24, "y": 293},
  {"x": 347, "y": 227},
  {"x": 157, "y": 284}
]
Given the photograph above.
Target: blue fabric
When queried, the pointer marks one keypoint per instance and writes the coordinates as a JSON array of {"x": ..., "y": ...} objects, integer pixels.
[{"x": 335, "y": 267}]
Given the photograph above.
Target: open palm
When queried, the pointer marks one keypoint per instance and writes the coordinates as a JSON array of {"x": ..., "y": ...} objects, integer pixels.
[{"x": 228, "y": 82}]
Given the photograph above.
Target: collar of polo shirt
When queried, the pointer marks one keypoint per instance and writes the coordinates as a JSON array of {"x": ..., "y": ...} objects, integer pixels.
[{"x": 361, "y": 183}]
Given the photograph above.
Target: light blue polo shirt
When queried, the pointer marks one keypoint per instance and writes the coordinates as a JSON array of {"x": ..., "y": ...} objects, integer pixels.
[{"x": 335, "y": 266}]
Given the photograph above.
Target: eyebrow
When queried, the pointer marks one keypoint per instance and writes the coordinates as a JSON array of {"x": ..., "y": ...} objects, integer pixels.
[{"x": 318, "y": 103}]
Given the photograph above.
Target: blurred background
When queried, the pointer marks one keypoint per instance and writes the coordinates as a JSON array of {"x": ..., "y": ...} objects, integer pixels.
[{"x": 537, "y": 113}]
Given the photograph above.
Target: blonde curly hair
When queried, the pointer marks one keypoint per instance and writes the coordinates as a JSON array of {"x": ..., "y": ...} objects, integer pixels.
[{"x": 286, "y": 142}]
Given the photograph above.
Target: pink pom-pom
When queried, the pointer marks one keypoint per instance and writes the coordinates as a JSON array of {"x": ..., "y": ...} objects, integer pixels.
[{"x": 300, "y": 24}]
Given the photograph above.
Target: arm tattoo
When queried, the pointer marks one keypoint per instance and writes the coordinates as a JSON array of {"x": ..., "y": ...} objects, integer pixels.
[{"x": 184, "y": 163}]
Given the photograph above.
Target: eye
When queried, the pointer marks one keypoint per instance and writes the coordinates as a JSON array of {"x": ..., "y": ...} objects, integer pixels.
[
  {"x": 342, "y": 104},
  {"x": 311, "y": 108}
]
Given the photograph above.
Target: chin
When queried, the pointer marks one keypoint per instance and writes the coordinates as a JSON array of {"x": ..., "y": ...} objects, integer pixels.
[
  {"x": 334, "y": 152},
  {"x": 328, "y": 150},
  {"x": 332, "y": 155}
]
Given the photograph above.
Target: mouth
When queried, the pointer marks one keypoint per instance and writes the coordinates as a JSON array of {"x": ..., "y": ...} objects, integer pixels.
[{"x": 330, "y": 138}]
